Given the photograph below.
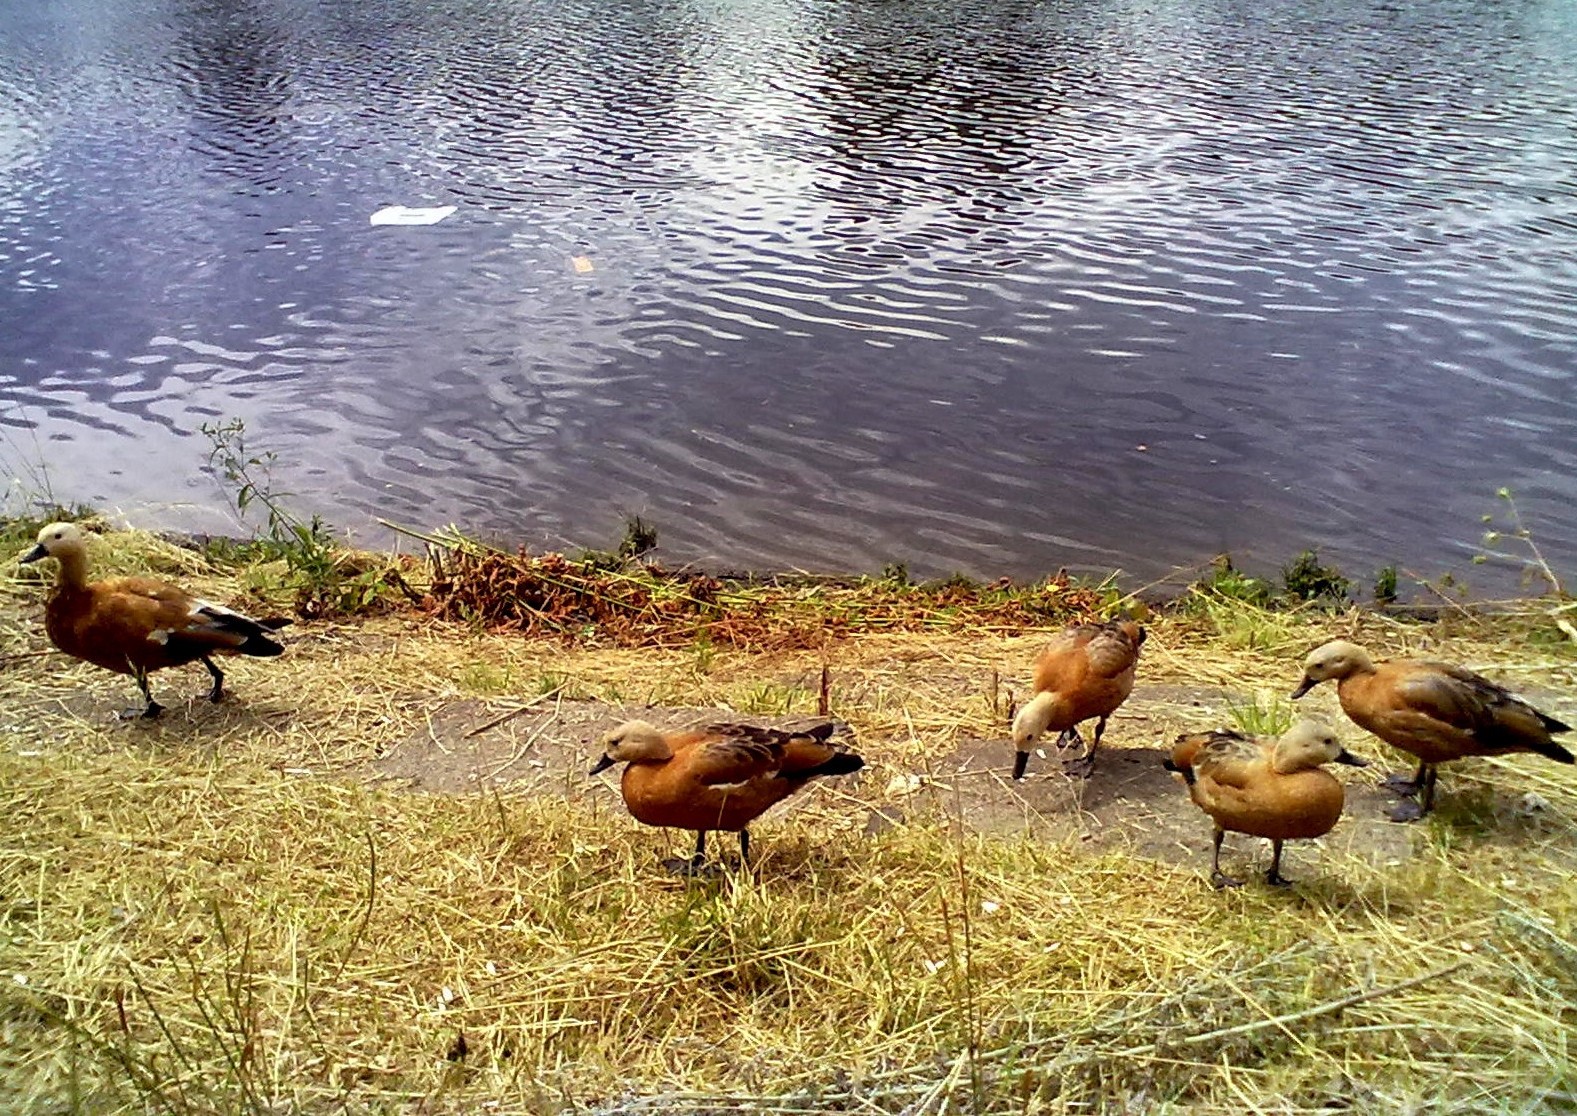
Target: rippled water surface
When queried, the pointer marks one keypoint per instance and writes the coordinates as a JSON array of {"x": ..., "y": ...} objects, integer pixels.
[{"x": 975, "y": 284}]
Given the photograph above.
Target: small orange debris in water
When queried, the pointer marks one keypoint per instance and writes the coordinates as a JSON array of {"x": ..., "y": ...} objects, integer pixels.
[{"x": 582, "y": 264}]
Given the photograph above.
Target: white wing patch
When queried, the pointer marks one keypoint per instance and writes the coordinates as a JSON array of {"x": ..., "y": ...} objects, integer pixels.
[
  {"x": 200, "y": 606},
  {"x": 161, "y": 636}
]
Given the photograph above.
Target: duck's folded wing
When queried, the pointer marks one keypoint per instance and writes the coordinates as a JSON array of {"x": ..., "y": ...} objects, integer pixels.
[
  {"x": 1455, "y": 696},
  {"x": 167, "y": 614},
  {"x": 1110, "y": 652},
  {"x": 722, "y": 758},
  {"x": 1229, "y": 759},
  {"x": 1186, "y": 749},
  {"x": 1472, "y": 703}
]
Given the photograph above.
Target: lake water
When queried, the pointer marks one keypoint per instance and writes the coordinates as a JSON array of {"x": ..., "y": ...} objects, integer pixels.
[{"x": 976, "y": 285}]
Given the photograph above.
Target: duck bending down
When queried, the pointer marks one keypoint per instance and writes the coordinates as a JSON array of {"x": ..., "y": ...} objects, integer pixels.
[
  {"x": 137, "y": 625},
  {"x": 722, "y": 777},
  {"x": 1272, "y": 789},
  {"x": 1087, "y": 671},
  {"x": 1437, "y": 712}
]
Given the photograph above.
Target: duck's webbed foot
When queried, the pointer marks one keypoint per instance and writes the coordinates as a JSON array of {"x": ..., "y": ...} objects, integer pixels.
[
  {"x": 1221, "y": 881},
  {"x": 148, "y": 713},
  {"x": 695, "y": 866},
  {"x": 1407, "y": 810},
  {"x": 692, "y": 867},
  {"x": 1401, "y": 783},
  {"x": 1081, "y": 767}
]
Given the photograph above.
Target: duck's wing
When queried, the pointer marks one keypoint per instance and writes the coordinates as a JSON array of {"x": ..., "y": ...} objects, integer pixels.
[
  {"x": 1229, "y": 759},
  {"x": 1471, "y": 703},
  {"x": 1113, "y": 649},
  {"x": 796, "y": 753},
  {"x": 1186, "y": 749},
  {"x": 168, "y": 615},
  {"x": 724, "y": 754}
]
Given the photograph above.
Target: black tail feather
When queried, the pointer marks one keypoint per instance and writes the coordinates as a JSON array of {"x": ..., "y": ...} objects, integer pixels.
[
  {"x": 256, "y": 631},
  {"x": 843, "y": 763},
  {"x": 1552, "y": 750},
  {"x": 1551, "y": 724}
]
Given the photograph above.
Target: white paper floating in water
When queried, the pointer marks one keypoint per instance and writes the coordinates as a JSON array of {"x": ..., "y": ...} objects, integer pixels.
[{"x": 411, "y": 214}]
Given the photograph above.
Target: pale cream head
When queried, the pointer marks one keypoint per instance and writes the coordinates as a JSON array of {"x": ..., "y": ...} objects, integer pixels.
[
  {"x": 1308, "y": 744},
  {"x": 1337, "y": 659},
  {"x": 1032, "y": 720},
  {"x": 634, "y": 742},
  {"x": 58, "y": 540}
]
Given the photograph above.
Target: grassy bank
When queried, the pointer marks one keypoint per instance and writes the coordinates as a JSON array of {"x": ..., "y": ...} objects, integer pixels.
[{"x": 377, "y": 879}]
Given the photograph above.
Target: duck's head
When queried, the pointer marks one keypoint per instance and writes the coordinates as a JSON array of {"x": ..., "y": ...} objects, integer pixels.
[
  {"x": 632, "y": 742},
  {"x": 1029, "y": 723},
  {"x": 1308, "y": 744},
  {"x": 58, "y": 540},
  {"x": 1337, "y": 659},
  {"x": 1134, "y": 631}
]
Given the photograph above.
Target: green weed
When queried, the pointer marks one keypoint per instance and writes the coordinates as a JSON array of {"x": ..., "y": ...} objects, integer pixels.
[
  {"x": 1263, "y": 714},
  {"x": 1307, "y": 579},
  {"x": 325, "y": 578}
]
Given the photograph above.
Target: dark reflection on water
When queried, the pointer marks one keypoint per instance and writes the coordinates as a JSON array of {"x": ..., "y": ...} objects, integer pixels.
[{"x": 982, "y": 286}]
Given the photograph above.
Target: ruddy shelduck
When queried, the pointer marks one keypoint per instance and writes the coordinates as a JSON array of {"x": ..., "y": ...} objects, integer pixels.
[
  {"x": 1272, "y": 789},
  {"x": 1435, "y": 711},
  {"x": 137, "y": 625},
  {"x": 1087, "y": 671},
  {"x": 722, "y": 776}
]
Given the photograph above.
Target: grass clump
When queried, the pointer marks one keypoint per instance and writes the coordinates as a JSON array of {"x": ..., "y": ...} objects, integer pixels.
[{"x": 1262, "y": 714}]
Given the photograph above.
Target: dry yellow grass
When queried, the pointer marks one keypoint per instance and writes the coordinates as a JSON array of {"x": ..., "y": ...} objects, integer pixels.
[{"x": 220, "y": 912}]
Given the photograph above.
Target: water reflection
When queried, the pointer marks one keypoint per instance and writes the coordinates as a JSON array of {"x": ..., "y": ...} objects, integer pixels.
[{"x": 978, "y": 286}]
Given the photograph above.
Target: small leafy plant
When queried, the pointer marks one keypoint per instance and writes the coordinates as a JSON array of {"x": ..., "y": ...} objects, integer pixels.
[
  {"x": 1227, "y": 581},
  {"x": 1385, "y": 586},
  {"x": 1307, "y": 579},
  {"x": 1515, "y": 531},
  {"x": 324, "y": 580}
]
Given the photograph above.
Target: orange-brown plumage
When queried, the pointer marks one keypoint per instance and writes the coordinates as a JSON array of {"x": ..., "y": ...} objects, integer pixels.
[
  {"x": 136, "y": 625},
  {"x": 721, "y": 777},
  {"x": 1435, "y": 711},
  {"x": 1271, "y": 789},
  {"x": 1086, "y": 672}
]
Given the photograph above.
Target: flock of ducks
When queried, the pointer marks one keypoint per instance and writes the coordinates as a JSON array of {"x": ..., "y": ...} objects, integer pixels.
[{"x": 724, "y": 776}]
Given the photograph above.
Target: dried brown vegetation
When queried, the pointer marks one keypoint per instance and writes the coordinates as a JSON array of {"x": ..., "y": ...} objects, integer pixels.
[{"x": 641, "y": 604}]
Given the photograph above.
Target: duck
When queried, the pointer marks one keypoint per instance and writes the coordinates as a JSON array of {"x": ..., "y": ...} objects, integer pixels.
[
  {"x": 1276, "y": 789},
  {"x": 1086, "y": 671},
  {"x": 1434, "y": 711},
  {"x": 137, "y": 625},
  {"x": 718, "y": 777}
]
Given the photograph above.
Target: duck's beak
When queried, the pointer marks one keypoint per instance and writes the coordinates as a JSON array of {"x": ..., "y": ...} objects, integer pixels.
[
  {"x": 35, "y": 554},
  {"x": 603, "y": 764},
  {"x": 1304, "y": 687},
  {"x": 1344, "y": 756},
  {"x": 1020, "y": 762}
]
